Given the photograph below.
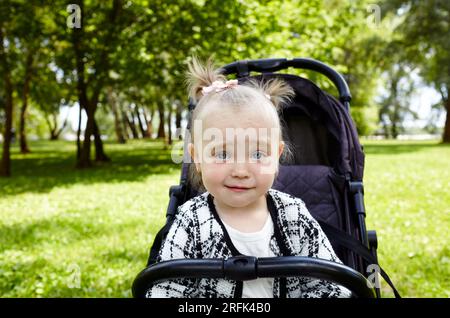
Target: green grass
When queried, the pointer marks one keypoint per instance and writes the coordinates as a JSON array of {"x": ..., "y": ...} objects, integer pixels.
[
  {"x": 60, "y": 225},
  {"x": 86, "y": 233},
  {"x": 407, "y": 187}
]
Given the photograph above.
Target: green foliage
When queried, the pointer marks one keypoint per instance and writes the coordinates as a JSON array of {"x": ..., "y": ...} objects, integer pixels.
[
  {"x": 36, "y": 124},
  {"x": 424, "y": 32},
  {"x": 106, "y": 121},
  {"x": 142, "y": 55},
  {"x": 365, "y": 119},
  {"x": 58, "y": 222},
  {"x": 421, "y": 40}
]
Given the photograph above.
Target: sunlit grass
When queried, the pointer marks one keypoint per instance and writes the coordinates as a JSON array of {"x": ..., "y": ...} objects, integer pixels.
[
  {"x": 86, "y": 233},
  {"x": 408, "y": 202}
]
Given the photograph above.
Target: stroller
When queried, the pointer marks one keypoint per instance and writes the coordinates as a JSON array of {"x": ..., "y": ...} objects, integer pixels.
[{"x": 326, "y": 172}]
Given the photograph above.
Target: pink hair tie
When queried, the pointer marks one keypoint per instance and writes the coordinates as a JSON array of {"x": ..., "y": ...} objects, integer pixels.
[{"x": 218, "y": 86}]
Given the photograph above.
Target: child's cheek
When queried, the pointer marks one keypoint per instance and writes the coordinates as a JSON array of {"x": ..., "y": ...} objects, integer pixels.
[
  {"x": 213, "y": 173},
  {"x": 264, "y": 176}
]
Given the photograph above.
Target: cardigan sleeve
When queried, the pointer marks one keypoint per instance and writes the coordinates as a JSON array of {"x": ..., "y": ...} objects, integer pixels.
[
  {"x": 316, "y": 244},
  {"x": 179, "y": 243}
]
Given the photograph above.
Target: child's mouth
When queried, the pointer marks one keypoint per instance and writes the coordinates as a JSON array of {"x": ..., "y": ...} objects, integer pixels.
[{"x": 237, "y": 188}]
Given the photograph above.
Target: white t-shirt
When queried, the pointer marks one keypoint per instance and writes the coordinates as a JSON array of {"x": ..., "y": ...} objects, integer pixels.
[{"x": 255, "y": 244}]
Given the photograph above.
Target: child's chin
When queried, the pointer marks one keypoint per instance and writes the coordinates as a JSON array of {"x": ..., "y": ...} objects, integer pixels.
[{"x": 239, "y": 202}]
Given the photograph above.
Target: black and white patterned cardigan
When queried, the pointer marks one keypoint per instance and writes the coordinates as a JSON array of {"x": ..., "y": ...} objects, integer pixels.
[{"x": 198, "y": 232}]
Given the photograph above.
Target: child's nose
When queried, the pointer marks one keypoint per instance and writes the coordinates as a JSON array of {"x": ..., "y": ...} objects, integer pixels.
[{"x": 240, "y": 170}]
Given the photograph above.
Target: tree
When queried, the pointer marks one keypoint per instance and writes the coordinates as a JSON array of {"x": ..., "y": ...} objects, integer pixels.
[
  {"x": 5, "y": 167},
  {"x": 396, "y": 105},
  {"x": 118, "y": 128},
  {"x": 6, "y": 49},
  {"x": 425, "y": 36},
  {"x": 50, "y": 95},
  {"x": 100, "y": 66},
  {"x": 29, "y": 30}
]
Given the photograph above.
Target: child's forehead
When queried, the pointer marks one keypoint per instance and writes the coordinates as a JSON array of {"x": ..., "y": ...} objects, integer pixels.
[
  {"x": 236, "y": 139},
  {"x": 249, "y": 116}
]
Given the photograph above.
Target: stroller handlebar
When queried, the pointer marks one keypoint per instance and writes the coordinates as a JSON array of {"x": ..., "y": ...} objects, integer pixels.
[
  {"x": 243, "y": 69},
  {"x": 248, "y": 268}
]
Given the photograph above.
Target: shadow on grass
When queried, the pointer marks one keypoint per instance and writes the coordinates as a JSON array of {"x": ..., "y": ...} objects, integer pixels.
[
  {"x": 399, "y": 147},
  {"x": 52, "y": 164}
]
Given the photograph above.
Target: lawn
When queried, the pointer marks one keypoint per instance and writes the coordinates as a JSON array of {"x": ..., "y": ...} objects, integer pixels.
[
  {"x": 86, "y": 233},
  {"x": 407, "y": 186}
]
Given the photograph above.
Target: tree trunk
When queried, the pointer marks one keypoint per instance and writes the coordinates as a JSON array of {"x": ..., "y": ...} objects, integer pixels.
[
  {"x": 124, "y": 122},
  {"x": 169, "y": 125},
  {"x": 55, "y": 132},
  {"x": 117, "y": 125},
  {"x": 23, "y": 111},
  {"x": 22, "y": 134},
  {"x": 84, "y": 150},
  {"x": 394, "y": 131},
  {"x": 161, "y": 130},
  {"x": 394, "y": 125},
  {"x": 394, "y": 91},
  {"x": 51, "y": 128},
  {"x": 141, "y": 126},
  {"x": 5, "y": 166},
  {"x": 178, "y": 119},
  {"x": 84, "y": 159},
  {"x": 100, "y": 155},
  {"x": 131, "y": 125},
  {"x": 79, "y": 133},
  {"x": 386, "y": 132},
  {"x": 148, "y": 122},
  {"x": 446, "y": 134}
]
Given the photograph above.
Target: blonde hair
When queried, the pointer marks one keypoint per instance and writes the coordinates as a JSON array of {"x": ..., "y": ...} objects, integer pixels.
[{"x": 271, "y": 95}]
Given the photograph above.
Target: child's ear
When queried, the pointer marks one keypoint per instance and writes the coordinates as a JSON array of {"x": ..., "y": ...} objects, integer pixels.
[
  {"x": 191, "y": 150},
  {"x": 280, "y": 149}
]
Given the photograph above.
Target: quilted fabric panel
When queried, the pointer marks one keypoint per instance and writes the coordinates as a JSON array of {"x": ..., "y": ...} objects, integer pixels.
[{"x": 311, "y": 184}]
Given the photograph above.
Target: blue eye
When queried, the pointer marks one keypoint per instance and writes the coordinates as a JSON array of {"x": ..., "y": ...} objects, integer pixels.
[
  {"x": 258, "y": 155},
  {"x": 222, "y": 155}
]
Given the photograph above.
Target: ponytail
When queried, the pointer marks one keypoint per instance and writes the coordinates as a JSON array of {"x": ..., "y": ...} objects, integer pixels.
[{"x": 200, "y": 76}]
